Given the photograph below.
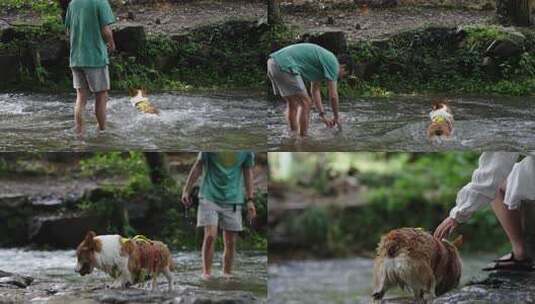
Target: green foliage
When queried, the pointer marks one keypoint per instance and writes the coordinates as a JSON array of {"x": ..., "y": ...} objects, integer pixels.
[
  {"x": 42, "y": 7},
  {"x": 226, "y": 55},
  {"x": 131, "y": 164},
  {"x": 419, "y": 193},
  {"x": 431, "y": 60}
]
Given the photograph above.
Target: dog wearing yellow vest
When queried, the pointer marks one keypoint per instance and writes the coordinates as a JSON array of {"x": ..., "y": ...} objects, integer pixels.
[
  {"x": 142, "y": 103},
  {"x": 127, "y": 260},
  {"x": 441, "y": 120}
]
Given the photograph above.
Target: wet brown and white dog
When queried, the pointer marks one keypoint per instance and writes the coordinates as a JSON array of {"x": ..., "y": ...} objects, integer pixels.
[
  {"x": 415, "y": 261},
  {"x": 128, "y": 261},
  {"x": 441, "y": 120},
  {"x": 142, "y": 103}
]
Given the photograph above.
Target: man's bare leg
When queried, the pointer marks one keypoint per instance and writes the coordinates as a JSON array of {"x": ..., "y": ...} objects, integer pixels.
[
  {"x": 100, "y": 109},
  {"x": 304, "y": 114},
  {"x": 291, "y": 112},
  {"x": 510, "y": 221},
  {"x": 229, "y": 238},
  {"x": 81, "y": 101},
  {"x": 210, "y": 235}
]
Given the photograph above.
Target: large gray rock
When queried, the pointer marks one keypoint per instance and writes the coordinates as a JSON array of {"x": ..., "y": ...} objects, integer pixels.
[
  {"x": 10, "y": 67},
  {"x": 63, "y": 230},
  {"x": 511, "y": 287},
  {"x": 13, "y": 200},
  {"x": 504, "y": 48},
  {"x": 333, "y": 40},
  {"x": 52, "y": 52},
  {"x": 178, "y": 296},
  {"x": 8, "y": 279},
  {"x": 130, "y": 39}
]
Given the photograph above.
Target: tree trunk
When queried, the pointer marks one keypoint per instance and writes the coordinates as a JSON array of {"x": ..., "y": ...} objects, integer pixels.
[
  {"x": 159, "y": 171},
  {"x": 513, "y": 12},
  {"x": 274, "y": 15},
  {"x": 63, "y": 4}
]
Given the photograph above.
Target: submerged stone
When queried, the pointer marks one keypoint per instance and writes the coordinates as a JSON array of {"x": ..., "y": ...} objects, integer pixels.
[
  {"x": 498, "y": 287},
  {"x": 12, "y": 279}
]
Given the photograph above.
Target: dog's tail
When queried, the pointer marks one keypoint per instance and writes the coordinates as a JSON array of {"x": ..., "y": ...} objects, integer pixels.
[
  {"x": 458, "y": 242},
  {"x": 439, "y": 103}
]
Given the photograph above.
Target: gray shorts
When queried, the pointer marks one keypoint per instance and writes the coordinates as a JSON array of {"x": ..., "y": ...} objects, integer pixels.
[
  {"x": 212, "y": 214},
  {"x": 94, "y": 79},
  {"x": 284, "y": 84}
]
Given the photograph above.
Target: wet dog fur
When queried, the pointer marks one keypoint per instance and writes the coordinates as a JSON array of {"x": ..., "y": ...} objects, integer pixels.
[
  {"x": 142, "y": 103},
  {"x": 442, "y": 128},
  {"x": 125, "y": 260},
  {"x": 414, "y": 260}
]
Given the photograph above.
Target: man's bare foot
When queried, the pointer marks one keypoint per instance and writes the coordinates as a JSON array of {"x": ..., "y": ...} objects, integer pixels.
[
  {"x": 101, "y": 131},
  {"x": 79, "y": 132},
  {"x": 206, "y": 276},
  {"x": 227, "y": 276}
]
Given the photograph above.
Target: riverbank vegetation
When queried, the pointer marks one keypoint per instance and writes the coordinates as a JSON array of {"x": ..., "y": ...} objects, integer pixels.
[
  {"x": 350, "y": 199},
  {"x": 477, "y": 59},
  {"x": 114, "y": 192},
  {"x": 225, "y": 55}
]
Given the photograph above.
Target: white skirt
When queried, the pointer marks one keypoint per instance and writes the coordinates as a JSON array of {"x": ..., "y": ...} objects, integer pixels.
[{"x": 520, "y": 185}]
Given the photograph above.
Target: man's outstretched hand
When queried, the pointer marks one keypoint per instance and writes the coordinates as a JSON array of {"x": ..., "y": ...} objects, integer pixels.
[
  {"x": 445, "y": 228},
  {"x": 330, "y": 123}
]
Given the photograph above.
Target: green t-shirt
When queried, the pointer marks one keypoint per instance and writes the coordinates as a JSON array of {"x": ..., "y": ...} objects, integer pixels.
[
  {"x": 223, "y": 181},
  {"x": 311, "y": 61},
  {"x": 84, "y": 20}
]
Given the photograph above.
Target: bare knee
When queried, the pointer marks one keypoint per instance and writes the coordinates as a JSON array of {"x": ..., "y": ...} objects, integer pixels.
[
  {"x": 210, "y": 234},
  {"x": 81, "y": 95},
  {"x": 304, "y": 103}
]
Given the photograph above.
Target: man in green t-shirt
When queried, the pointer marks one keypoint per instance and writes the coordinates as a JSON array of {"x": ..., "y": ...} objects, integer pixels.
[
  {"x": 289, "y": 67},
  {"x": 88, "y": 24},
  {"x": 224, "y": 175}
]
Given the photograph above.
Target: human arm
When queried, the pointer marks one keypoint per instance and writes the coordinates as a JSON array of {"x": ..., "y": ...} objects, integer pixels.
[
  {"x": 248, "y": 174},
  {"x": 492, "y": 171},
  {"x": 332, "y": 87},
  {"x": 105, "y": 18},
  {"x": 193, "y": 176},
  {"x": 107, "y": 34},
  {"x": 315, "y": 90}
]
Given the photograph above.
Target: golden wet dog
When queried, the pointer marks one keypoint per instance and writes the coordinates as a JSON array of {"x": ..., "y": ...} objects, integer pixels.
[
  {"x": 441, "y": 120},
  {"x": 142, "y": 103},
  {"x": 127, "y": 261},
  {"x": 414, "y": 260}
]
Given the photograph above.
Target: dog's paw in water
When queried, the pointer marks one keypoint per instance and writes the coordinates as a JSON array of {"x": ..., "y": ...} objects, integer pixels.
[
  {"x": 414, "y": 260},
  {"x": 441, "y": 121}
]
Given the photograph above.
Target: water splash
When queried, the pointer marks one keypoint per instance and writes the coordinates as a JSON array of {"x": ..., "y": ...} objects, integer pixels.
[{"x": 38, "y": 122}]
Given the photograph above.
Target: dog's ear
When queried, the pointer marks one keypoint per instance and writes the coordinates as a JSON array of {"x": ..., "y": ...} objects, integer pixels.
[
  {"x": 439, "y": 103},
  {"x": 458, "y": 242},
  {"x": 89, "y": 241}
]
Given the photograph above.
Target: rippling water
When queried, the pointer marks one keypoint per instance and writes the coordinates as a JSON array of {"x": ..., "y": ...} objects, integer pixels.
[
  {"x": 400, "y": 124},
  {"x": 55, "y": 277},
  {"x": 38, "y": 122},
  {"x": 339, "y": 280}
]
